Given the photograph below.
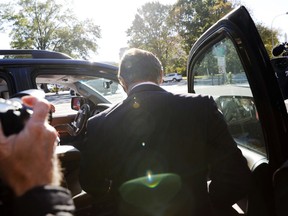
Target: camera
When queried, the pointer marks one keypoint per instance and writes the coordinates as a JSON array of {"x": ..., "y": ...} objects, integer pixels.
[
  {"x": 281, "y": 49},
  {"x": 13, "y": 115}
]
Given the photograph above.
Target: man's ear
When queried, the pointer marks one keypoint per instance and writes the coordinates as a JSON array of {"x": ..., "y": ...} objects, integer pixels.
[{"x": 160, "y": 79}]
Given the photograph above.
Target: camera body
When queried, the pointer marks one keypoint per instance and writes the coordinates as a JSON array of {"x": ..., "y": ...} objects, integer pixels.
[
  {"x": 281, "y": 49},
  {"x": 13, "y": 115}
]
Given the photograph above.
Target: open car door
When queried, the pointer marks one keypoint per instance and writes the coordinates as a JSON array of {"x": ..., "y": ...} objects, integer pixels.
[{"x": 230, "y": 62}]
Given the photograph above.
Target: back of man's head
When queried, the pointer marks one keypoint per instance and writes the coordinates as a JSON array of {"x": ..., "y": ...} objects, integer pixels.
[{"x": 139, "y": 66}]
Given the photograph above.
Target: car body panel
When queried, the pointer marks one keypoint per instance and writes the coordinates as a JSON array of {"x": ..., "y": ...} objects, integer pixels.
[{"x": 172, "y": 77}]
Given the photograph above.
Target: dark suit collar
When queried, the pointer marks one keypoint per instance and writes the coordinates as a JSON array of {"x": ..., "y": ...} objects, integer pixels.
[{"x": 145, "y": 87}]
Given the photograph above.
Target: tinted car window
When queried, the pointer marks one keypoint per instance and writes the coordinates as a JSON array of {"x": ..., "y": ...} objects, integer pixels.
[{"x": 219, "y": 73}]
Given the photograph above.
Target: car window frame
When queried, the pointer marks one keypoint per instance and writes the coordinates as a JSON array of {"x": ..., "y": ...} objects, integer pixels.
[{"x": 5, "y": 75}]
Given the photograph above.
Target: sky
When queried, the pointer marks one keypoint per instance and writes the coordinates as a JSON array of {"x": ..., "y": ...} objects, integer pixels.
[
  {"x": 115, "y": 16},
  {"x": 272, "y": 13}
]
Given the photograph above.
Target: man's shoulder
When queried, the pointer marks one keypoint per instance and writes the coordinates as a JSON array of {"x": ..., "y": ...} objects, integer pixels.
[
  {"x": 104, "y": 113},
  {"x": 194, "y": 97}
]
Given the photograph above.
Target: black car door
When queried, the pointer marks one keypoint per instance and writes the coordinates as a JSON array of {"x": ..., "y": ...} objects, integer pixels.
[{"x": 230, "y": 62}]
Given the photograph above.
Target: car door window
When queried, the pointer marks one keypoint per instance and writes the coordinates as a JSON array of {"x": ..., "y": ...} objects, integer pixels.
[{"x": 219, "y": 73}]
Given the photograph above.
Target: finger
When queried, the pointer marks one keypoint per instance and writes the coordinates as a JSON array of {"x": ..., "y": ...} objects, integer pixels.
[
  {"x": 4, "y": 145},
  {"x": 52, "y": 108},
  {"x": 2, "y": 136},
  {"x": 29, "y": 101},
  {"x": 40, "y": 108}
]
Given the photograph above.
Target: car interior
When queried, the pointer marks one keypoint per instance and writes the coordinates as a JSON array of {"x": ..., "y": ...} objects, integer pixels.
[{"x": 76, "y": 98}]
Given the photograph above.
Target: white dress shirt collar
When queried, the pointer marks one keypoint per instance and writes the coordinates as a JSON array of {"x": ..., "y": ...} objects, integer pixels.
[{"x": 142, "y": 83}]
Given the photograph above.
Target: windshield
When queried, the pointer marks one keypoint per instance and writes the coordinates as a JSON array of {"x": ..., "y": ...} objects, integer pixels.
[
  {"x": 60, "y": 88},
  {"x": 108, "y": 89}
]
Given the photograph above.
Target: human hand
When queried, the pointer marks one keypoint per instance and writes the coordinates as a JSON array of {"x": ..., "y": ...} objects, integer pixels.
[
  {"x": 52, "y": 108},
  {"x": 28, "y": 159}
]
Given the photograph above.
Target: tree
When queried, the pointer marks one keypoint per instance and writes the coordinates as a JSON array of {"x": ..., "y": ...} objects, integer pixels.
[
  {"x": 47, "y": 25},
  {"x": 192, "y": 18},
  {"x": 266, "y": 36},
  {"x": 150, "y": 30}
]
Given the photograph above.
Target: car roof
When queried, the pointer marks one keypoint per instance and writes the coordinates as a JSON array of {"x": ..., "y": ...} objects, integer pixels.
[
  {"x": 19, "y": 68},
  {"x": 28, "y": 53},
  {"x": 44, "y": 57}
]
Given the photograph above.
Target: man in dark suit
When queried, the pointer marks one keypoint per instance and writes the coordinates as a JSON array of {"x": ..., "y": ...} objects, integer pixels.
[{"x": 153, "y": 153}]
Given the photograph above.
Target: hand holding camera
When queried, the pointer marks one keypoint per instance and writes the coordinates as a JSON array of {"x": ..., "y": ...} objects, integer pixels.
[{"x": 27, "y": 156}]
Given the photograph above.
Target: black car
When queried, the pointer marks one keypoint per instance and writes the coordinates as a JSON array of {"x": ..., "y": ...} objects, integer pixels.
[{"x": 229, "y": 62}]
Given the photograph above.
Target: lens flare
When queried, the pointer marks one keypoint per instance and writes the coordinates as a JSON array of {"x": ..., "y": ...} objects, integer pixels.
[
  {"x": 151, "y": 189},
  {"x": 150, "y": 180}
]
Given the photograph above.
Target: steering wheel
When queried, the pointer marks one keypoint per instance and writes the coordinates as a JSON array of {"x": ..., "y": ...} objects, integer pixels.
[{"x": 81, "y": 119}]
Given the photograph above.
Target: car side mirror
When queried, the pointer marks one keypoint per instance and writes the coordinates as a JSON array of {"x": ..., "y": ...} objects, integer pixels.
[
  {"x": 77, "y": 102},
  {"x": 107, "y": 84}
]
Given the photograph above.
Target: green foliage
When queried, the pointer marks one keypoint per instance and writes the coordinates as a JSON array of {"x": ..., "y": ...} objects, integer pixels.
[
  {"x": 170, "y": 31},
  {"x": 207, "y": 66},
  {"x": 47, "y": 25},
  {"x": 220, "y": 63},
  {"x": 233, "y": 62},
  {"x": 266, "y": 36},
  {"x": 150, "y": 30},
  {"x": 193, "y": 17}
]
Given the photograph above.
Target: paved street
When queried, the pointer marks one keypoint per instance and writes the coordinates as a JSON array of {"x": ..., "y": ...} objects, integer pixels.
[
  {"x": 176, "y": 87},
  {"x": 55, "y": 98}
]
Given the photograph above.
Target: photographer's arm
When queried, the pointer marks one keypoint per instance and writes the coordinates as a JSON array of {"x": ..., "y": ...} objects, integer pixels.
[{"x": 28, "y": 164}]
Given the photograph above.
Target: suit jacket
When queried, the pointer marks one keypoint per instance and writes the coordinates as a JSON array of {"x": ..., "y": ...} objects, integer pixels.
[{"x": 155, "y": 131}]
